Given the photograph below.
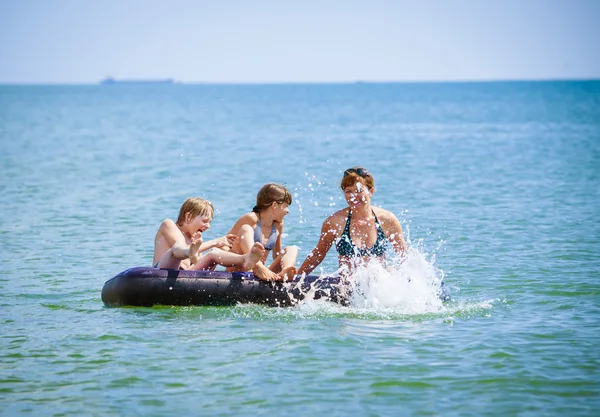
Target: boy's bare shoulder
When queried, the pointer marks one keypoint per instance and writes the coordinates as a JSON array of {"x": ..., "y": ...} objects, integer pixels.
[{"x": 167, "y": 224}]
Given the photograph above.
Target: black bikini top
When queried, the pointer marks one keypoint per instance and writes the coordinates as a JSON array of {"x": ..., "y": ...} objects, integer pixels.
[{"x": 346, "y": 247}]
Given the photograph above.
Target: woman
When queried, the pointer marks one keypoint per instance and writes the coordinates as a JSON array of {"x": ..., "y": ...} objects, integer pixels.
[
  {"x": 264, "y": 224},
  {"x": 360, "y": 231}
]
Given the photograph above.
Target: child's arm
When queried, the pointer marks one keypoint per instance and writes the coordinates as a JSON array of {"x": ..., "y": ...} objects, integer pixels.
[
  {"x": 277, "y": 248},
  {"x": 171, "y": 232},
  {"x": 222, "y": 242},
  {"x": 169, "y": 255}
]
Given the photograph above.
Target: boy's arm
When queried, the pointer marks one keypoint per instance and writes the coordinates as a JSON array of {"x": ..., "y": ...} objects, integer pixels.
[
  {"x": 221, "y": 242},
  {"x": 169, "y": 237},
  {"x": 171, "y": 232}
]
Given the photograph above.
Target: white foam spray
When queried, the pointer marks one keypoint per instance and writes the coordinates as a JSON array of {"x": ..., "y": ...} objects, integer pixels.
[{"x": 411, "y": 286}]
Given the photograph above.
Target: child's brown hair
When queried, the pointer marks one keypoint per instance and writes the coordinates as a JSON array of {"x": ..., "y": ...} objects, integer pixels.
[{"x": 270, "y": 193}]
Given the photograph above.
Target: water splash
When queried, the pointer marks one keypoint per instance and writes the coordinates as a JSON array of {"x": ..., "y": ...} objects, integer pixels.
[{"x": 413, "y": 286}]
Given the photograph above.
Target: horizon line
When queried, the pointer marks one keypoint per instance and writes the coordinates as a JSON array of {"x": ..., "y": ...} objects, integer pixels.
[{"x": 346, "y": 82}]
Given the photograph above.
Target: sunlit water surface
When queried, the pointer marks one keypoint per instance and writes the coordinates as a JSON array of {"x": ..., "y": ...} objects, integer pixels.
[{"x": 496, "y": 186}]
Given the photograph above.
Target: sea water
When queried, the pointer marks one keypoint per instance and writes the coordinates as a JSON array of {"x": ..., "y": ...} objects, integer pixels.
[{"x": 496, "y": 185}]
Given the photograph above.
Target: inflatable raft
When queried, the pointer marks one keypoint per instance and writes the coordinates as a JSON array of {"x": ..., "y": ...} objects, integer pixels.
[{"x": 148, "y": 287}]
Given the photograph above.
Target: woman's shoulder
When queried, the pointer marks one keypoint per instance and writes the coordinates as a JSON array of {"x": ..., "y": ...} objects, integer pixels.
[
  {"x": 339, "y": 216},
  {"x": 383, "y": 215}
]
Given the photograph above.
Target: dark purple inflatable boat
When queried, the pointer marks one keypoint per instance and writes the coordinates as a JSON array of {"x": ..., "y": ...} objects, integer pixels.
[{"x": 152, "y": 286}]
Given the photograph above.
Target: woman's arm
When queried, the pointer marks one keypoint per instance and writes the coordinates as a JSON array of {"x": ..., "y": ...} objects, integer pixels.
[
  {"x": 316, "y": 256},
  {"x": 393, "y": 231}
]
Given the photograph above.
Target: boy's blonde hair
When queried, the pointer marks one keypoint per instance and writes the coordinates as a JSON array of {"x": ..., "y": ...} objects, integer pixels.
[{"x": 195, "y": 206}]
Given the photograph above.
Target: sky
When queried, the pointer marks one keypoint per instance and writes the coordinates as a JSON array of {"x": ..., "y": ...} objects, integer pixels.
[{"x": 262, "y": 41}]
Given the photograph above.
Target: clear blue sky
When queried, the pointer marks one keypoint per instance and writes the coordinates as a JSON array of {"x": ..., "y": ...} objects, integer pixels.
[{"x": 83, "y": 41}]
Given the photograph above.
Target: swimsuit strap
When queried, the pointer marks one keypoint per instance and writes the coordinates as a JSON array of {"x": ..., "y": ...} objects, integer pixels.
[
  {"x": 258, "y": 232},
  {"x": 379, "y": 247},
  {"x": 272, "y": 237},
  {"x": 347, "y": 227},
  {"x": 379, "y": 229}
]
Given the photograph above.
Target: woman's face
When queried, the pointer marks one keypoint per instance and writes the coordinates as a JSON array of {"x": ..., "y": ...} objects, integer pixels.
[{"x": 357, "y": 194}]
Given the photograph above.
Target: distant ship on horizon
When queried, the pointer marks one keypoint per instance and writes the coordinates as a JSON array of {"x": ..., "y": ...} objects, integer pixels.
[{"x": 111, "y": 80}]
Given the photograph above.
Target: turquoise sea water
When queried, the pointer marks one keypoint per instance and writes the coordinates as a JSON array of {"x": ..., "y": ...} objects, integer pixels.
[{"x": 497, "y": 186}]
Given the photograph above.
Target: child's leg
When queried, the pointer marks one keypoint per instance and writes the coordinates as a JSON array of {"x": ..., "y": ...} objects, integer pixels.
[
  {"x": 180, "y": 251},
  {"x": 169, "y": 261},
  {"x": 224, "y": 258},
  {"x": 290, "y": 254},
  {"x": 284, "y": 263},
  {"x": 246, "y": 238}
]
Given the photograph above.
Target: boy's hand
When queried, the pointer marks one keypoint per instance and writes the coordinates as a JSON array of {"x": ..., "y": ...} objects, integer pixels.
[{"x": 226, "y": 241}]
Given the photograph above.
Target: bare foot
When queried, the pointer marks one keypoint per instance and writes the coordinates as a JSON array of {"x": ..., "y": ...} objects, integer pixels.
[
  {"x": 288, "y": 273},
  {"x": 262, "y": 272},
  {"x": 195, "y": 247},
  {"x": 255, "y": 254}
]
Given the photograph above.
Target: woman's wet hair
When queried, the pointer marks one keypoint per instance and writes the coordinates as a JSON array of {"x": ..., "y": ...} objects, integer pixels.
[
  {"x": 357, "y": 174},
  {"x": 195, "y": 206},
  {"x": 270, "y": 193}
]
